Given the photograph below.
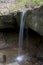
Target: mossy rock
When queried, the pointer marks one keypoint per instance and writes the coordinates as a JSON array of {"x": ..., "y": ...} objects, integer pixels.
[
  {"x": 34, "y": 19},
  {"x": 7, "y": 21}
]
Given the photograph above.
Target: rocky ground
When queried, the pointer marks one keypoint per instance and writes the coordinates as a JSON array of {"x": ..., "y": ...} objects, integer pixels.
[{"x": 33, "y": 45}]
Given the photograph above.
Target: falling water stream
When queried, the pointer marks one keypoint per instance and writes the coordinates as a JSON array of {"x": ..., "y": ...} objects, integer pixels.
[
  {"x": 20, "y": 49},
  {"x": 21, "y": 33}
]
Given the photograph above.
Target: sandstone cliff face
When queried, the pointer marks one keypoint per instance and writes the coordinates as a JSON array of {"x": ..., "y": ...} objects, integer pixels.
[{"x": 33, "y": 19}]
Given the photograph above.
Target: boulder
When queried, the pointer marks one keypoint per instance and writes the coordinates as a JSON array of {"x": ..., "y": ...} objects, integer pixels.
[
  {"x": 34, "y": 19},
  {"x": 7, "y": 21}
]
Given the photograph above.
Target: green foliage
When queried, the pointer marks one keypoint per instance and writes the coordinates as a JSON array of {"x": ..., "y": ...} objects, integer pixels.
[{"x": 37, "y": 1}]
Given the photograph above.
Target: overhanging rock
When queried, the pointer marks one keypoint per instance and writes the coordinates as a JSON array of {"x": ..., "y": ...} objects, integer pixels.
[{"x": 34, "y": 19}]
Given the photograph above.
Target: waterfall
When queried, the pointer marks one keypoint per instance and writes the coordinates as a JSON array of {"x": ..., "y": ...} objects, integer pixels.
[
  {"x": 21, "y": 57},
  {"x": 22, "y": 22},
  {"x": 21, "y": 33}
]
